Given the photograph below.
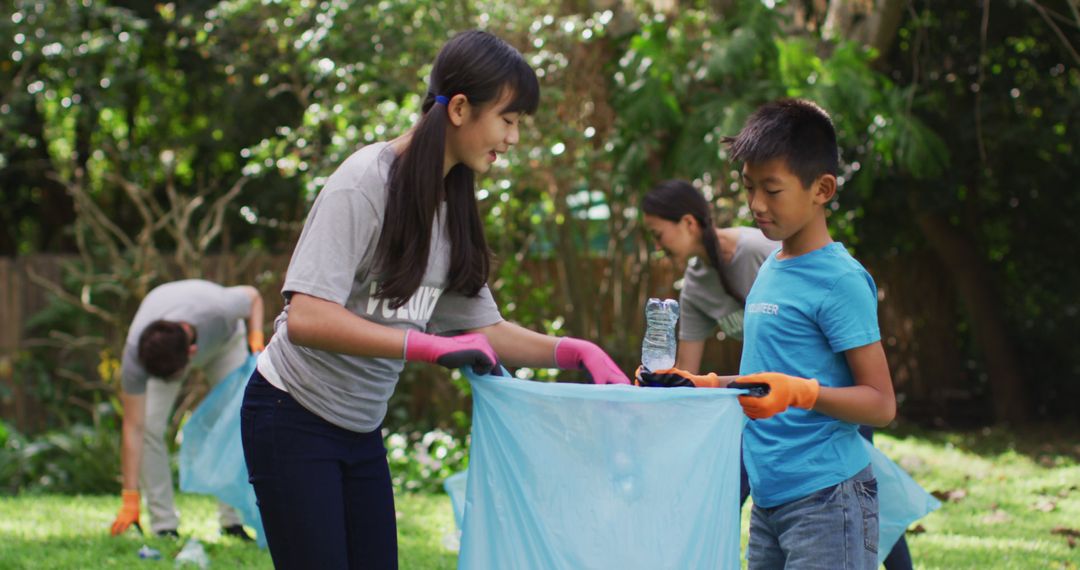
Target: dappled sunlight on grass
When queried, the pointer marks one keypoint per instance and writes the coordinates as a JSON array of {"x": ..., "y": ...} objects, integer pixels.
[
  {"x": 965, "y": 551},
  {"x": 38, "y": 532},
  {"x": 73, "y": 532},
  {"x": 1004, "y": 495},
  {"x": 424, "y": 521},
  {"x": 50, "y": 517}
]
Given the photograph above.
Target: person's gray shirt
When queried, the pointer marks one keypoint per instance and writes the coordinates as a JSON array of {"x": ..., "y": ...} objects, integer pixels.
[
  {"x": 214, "y": 311},
  {"x": 703, "y": 302},
  {"x": 333, "y": 260}
]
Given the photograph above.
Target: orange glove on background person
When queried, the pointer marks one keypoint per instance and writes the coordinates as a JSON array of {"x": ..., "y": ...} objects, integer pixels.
[
  {"x": 129, "y": 512},
  {"x": 674, "y": 378},
  {"x": 256, "y": 341},
  {"x": 784, "y": 391}
]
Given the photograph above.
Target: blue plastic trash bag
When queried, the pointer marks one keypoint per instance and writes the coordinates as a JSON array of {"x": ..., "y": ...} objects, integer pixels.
[
  {"x": 455, "y": 487},
  {"x": 901, "y": 501},
  {"x": 579, "y": 476},
  {"x": 211, "y": 453}
]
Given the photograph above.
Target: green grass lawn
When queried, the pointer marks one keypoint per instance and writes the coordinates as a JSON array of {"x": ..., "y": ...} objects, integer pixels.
[
  {"x": 38, "y": 532},
  {"x": 1008, "y": 493}
]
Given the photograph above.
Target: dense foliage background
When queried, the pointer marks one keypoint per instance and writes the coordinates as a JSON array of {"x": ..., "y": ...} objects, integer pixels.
[{"x": 151, "y": 141}]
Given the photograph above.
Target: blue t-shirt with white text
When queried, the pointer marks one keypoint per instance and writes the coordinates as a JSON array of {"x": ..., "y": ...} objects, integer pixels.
[{"x": 801, "y": 315}]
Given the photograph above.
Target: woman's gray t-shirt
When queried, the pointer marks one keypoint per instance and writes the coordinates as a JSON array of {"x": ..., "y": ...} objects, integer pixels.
[
  {"x": 333, "y": 260},
  {"x": 703, "y": 302}
]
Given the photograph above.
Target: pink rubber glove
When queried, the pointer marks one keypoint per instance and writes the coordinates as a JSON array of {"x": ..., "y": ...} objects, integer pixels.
[
  {"x": 452, "y": 351},
  {"x": 574, "y": 353}
]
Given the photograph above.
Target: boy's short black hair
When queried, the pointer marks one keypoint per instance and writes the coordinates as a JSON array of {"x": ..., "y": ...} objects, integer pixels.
[
  {"x": 163, "y": 348},
  {"x": 796, "y": 130}
]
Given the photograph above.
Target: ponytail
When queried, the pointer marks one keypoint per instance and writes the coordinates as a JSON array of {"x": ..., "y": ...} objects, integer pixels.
[
  {"x": 405, "y": 239},
  {"x": 483, "y": 68}
]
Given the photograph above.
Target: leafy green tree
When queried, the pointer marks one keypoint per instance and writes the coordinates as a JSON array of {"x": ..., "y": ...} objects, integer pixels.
[
  {"x": 148, "y": 135},
  {"x": 1000, "y": 84}
]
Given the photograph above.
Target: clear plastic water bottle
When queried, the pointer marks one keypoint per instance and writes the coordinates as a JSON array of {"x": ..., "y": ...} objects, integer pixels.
[
  {"x": 192, "y": 553},
  {"x": 658, "y": 345},
  {"x": 147, "y": 553}
]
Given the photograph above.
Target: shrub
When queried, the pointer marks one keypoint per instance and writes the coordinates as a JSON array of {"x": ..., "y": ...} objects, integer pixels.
[
  {"x": 76, "y": 459},
  {"x": 419, "y": 462}
]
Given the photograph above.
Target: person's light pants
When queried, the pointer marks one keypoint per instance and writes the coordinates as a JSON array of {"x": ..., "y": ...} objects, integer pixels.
[{"x": 155, "y": 478}]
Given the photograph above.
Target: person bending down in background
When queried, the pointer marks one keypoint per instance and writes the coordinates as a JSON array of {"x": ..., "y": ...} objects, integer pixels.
[{"x": 179, "y": 326}]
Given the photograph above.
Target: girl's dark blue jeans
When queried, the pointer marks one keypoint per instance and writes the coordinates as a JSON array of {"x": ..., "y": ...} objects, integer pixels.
[{"x": 324, "y": 492}]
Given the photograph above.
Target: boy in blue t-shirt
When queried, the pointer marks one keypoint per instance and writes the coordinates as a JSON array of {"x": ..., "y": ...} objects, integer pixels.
[{"x": 811, "y": 334}]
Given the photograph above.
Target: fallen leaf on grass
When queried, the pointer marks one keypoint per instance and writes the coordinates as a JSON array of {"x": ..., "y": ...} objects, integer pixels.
[
  {"x": 954, "y": 495},
  {"x": 912, "y": 463},
  {"x": 1045, "y": 506},
  {"x": 996, "y": 516},
  {"x": 1070, "y": 534},
  {"x": 917, "y": 529}
]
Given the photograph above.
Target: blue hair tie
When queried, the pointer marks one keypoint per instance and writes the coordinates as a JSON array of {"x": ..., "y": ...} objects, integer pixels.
[{"x": 442, "y": 99}]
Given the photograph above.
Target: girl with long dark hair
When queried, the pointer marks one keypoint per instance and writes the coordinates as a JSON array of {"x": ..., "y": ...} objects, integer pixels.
[
  {"x": 721, "y": 264},
  {"x": 391, "y": 266}
]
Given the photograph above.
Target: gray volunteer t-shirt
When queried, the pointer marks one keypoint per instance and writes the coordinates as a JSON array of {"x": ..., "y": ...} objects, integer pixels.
[
  {"x": 216, "y": 312},
  {"x": 703, "y": 303},
  {"x": 334, "y": 260}
]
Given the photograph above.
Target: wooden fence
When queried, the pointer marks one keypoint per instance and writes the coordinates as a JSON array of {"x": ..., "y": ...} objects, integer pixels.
[
  {"x": 918, "y": 314},
  {"x": 21, "y": 298}
]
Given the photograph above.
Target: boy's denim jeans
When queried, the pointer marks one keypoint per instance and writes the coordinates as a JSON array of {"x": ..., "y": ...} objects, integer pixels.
[{"x": 831, "y": 529}]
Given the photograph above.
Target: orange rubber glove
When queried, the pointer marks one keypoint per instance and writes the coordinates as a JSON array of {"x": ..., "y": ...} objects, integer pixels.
[
  {"x": 256, "y": 341},
  {"x": 129, "y": 512},
  {"x": 784, "y": 391},
  {"x": 673, "y": 377}
]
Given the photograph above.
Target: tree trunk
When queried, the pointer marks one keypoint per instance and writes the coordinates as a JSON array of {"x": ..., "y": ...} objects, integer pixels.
[
  {"x": 975, "y": 285},
  {"x": 872, "y": 23}
]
